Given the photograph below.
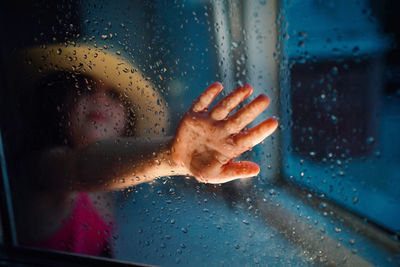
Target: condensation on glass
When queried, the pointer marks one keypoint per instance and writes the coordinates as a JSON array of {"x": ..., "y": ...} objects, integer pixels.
[
  {"x": 342, "y": 106},
  {"x": 329, "y": 182}
]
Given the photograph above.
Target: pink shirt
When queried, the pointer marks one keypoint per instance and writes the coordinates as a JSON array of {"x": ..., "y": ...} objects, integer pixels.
[{"x": 83, "y": 232}]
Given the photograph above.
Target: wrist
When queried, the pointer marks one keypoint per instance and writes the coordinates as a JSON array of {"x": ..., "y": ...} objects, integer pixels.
[
  {"x": 166, "y": 162},
  {"x": 176, "y": 160}
]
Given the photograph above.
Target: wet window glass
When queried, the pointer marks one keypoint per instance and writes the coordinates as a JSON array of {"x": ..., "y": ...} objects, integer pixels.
[
  {"x": 196, "y": 132},
  {"x": 342, "y": 105}
]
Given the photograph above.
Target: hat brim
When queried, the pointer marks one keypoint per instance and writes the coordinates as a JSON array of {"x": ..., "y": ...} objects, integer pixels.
[{"x": 149, "y": 106}]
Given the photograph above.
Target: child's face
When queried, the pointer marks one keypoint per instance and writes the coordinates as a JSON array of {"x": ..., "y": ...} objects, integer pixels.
[{"x": 96, "y": 114}]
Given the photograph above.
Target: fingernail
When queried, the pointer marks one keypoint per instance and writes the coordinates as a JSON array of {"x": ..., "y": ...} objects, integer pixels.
[
  {"x": 218, "y": 84},
  {"x": 246, "y": 85}
]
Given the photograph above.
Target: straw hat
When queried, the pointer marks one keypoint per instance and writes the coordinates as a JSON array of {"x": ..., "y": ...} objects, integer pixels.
[{"x": 109, "y": 67}]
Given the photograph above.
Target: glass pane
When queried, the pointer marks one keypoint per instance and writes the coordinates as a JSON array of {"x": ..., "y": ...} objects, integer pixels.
[
  {"x": 342, "y": 109},
  {"x": 139, "y": 65},
  {"x": 110, "y": 154}
]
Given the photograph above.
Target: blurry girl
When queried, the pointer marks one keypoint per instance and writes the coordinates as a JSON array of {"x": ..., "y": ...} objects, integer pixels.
[{"x": 107, "y": 134}]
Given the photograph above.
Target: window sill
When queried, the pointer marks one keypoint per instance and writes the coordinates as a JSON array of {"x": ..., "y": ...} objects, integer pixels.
[{"x": 327, "y": 233}]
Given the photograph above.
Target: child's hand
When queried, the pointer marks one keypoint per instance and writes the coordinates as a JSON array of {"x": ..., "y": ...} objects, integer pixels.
[{"x": 206, "y": 142}]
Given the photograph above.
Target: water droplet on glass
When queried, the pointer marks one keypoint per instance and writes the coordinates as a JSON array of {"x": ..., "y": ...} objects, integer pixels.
[
  {"x": 355, "y": 50},
  {"x": 334, "y": 70},
  {"x": 301, "y": 60},
  {"x": 370, "y": 140},
  {"x": 302, "y": 35},
  {"x": 272, "y": 192}
]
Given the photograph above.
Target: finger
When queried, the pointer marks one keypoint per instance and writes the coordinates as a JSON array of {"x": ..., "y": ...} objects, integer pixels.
[
  {"x": 235, "y": 170},
  {"x": 229, "y": 103},
  {"x": 205, "y": 99},
  {"x": 247, "y": 114},
  {"x": 255, "y": 135}
]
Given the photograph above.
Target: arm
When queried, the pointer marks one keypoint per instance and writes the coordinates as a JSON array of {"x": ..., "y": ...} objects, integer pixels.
[
  {"x": 124, "y": 162},
  {"x": 109, "y": 164},
  {"x": 204, "y": 146}
]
